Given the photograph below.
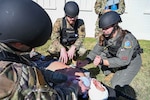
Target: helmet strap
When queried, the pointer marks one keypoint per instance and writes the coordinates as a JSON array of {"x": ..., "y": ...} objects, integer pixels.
[{"x": 115, "y": 27}]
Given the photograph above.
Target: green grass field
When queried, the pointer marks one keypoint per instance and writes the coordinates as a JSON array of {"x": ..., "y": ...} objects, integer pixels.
[{"x": 141, "y": 83}]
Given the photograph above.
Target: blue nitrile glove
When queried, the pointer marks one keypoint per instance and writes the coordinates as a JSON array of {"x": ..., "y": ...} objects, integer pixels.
[{"x": 86, "y": 81}]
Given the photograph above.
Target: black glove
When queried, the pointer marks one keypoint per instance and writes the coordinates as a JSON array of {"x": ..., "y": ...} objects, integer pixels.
[
  {"x": 82, "y": 63},
  {"x": 54, "y": 77}
]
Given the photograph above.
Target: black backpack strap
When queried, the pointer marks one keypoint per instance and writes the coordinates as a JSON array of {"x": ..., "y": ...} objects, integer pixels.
[
  {"x": 7, "y": 56},
  {"x": 64, "y": 25}
]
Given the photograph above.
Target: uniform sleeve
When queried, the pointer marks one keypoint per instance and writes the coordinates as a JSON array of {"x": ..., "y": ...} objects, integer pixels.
[
  {"x": 96, "y": 51},
  {"x": 81, "y": 33},
  {"x": 99, "y": 9},
  {"x": 121, "y": 7},
  {"x": 125, "y": 52},
  {"x": 55, "y": 37},
  {"x": 8, "y": 80},
  {"x": 68, "y": 91}
]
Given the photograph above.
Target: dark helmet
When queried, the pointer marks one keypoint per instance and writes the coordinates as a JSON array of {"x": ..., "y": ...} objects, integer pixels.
[
  {"x": 71, "y": 9},
  {"x": 24, "y": 21},
  {"x": 108, "y": 19}
]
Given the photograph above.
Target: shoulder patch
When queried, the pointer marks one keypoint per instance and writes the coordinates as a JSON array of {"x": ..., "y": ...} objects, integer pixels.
[{"x": 127, "y": 44}]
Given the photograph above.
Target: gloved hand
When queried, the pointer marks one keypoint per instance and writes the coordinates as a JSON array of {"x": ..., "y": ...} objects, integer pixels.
[
  {"x": 82, "y": 63},
  {"x": 63, "y": 56},
  {"x": 54, "y": 77}
]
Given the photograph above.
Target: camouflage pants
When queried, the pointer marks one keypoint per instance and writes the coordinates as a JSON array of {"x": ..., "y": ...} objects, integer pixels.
[{"x": 98, "y": 31}]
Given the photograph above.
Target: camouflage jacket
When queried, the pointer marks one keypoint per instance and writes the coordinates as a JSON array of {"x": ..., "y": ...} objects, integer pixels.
[
  {"x": 100, "y": 6},
  {"x": 56, "y": 33},
  {"x": 21, "y": 81}
]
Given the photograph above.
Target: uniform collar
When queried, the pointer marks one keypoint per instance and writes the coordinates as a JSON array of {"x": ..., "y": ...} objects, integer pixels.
[{"x": 114, "y": 39}]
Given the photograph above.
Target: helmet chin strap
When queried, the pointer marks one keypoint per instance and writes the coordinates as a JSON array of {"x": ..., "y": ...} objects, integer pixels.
[{"x": 115, "y": 27}]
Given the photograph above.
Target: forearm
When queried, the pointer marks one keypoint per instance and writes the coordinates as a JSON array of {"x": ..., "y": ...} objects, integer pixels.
[
  {"x": 97, "y": 50},
  {"x": 98, "y": 8},
  {"x": 81, "y": 37},
  {"x": 121, "y": 7},
  {"x": 55, "y": 40},
  {"x": 56, "y": 34},
  {"x": 105, "y": 62},
  {"x": 117, "y": 62},
  {"x": 112, "y": 63},
  {"x": 78, "y": 43}
]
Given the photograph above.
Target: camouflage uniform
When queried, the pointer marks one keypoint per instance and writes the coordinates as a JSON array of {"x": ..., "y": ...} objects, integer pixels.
[
  {"x": 56, "y": 46},
  {"x": 99, "y": 10},
  {"x": 125, "y": 61},
  {"x": 20, "y": 80}
]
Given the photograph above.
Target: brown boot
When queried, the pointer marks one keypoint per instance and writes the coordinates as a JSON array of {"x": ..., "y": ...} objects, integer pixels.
[{"x": 108, "y": 77}]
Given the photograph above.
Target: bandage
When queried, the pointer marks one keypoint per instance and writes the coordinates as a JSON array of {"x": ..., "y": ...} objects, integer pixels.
[{"x": 95, "y": 94}]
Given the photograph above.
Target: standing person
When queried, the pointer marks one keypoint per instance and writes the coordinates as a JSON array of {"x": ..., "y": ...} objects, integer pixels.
[
  {"x": 102, "y": 6},
  {"x": 117, "y": 51},
  {"x": 25, "y": 25},
  {"x": 68, "y": 34}
]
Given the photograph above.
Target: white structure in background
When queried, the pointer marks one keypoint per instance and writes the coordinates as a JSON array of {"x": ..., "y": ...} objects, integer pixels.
[{"x": 136, "y": 17}]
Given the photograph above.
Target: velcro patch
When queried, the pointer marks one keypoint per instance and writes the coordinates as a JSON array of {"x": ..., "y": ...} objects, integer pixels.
[
  {"x": 124, "y": 58},
  {"x": 127, "y": 44}
]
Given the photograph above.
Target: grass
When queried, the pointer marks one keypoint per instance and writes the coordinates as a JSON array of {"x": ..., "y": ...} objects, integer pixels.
[{"x": 141, "y": 83}]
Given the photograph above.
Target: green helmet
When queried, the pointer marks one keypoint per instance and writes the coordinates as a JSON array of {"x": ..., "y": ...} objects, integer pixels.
[
  {"x": 71, "y": 9},
  {"x": 108, "y": 19},
  {"x": 24, "y": 21}
]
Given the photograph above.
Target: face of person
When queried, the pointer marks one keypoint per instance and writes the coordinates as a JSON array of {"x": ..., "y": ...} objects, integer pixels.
[
  {"x": 21, "y": 47},
  {"x": 71, "y": 20},
  {"x": 107, "y": 31}
]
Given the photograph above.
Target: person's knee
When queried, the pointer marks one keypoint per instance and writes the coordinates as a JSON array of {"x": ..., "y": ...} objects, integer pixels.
[
  {"x": 51, "y": 50},
  {"x": 125, "y": 91},
  {"x": 82, "y": 51}
]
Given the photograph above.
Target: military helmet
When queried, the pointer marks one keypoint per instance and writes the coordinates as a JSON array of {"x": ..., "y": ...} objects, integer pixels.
[
  {"x": 108, "y": 19},
  {"x": 24, "y": 21},
  {"x": 71, "y": 9}
]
